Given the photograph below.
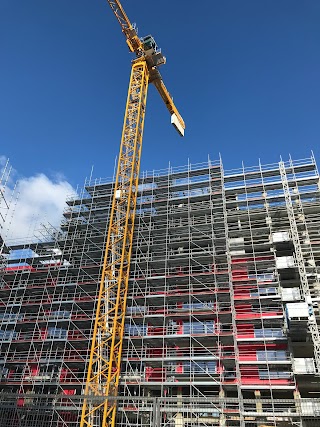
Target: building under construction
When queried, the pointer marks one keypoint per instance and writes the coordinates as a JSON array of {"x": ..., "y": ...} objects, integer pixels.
[{"x": 222, "y": 311}]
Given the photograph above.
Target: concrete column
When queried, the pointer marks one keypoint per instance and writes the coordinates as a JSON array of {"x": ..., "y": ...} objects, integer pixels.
[
  {"x": 179, "y": 419},
  {"x": 257, "y": 394},
  {"x": 297, "y": 397},
  {"x": 222, "y": 406}
]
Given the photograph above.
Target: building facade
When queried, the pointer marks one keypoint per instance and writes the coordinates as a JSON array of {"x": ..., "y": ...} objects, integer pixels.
[{"x": 222, "y": 314}]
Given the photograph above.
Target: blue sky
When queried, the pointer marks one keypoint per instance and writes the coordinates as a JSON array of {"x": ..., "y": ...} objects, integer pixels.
[{"x": 244, "y": 75}]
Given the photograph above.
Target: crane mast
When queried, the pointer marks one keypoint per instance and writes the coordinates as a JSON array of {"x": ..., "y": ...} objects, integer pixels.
[{"x": 107, "y": 339}]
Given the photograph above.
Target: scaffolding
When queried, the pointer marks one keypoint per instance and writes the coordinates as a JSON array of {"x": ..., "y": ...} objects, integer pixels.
[
  {"x": 55, "y": 411},
  {"x": 222, "y": 311}
]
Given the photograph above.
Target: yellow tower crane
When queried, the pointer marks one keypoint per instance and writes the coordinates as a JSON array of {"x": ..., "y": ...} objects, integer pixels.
[{"x": 107, "y": 339}]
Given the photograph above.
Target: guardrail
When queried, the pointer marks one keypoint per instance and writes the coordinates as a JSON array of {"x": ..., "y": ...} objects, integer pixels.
[{"x": 62, "y": 410}]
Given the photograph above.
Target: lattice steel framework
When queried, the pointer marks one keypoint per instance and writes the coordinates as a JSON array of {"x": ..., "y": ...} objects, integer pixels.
[
  {"x": 206, "y": 308},
  {"x": 312, "y": 323},
  {"x": 105, "y": 356}
]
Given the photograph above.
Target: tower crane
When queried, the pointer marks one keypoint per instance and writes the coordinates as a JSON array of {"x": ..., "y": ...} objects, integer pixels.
[{"x": 99, "y": 407}]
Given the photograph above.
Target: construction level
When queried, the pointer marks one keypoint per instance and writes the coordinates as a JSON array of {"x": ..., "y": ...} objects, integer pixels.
[{"x": 222, "y": 309}]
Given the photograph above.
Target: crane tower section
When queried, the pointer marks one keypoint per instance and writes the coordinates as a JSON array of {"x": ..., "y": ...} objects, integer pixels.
[
  {"x": 107, "y": 339},
  {"x": 105, "y": 356}
]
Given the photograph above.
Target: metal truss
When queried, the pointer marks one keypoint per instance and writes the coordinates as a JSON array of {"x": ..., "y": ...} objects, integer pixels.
[
  {"x": 312, "y": 323},
  {"x": 105, "y": 357}
]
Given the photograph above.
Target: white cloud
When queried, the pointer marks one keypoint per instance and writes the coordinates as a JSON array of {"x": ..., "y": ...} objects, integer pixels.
[
  {"x": 3, "y": 161},
  {"x": 40, "y": 200}
]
